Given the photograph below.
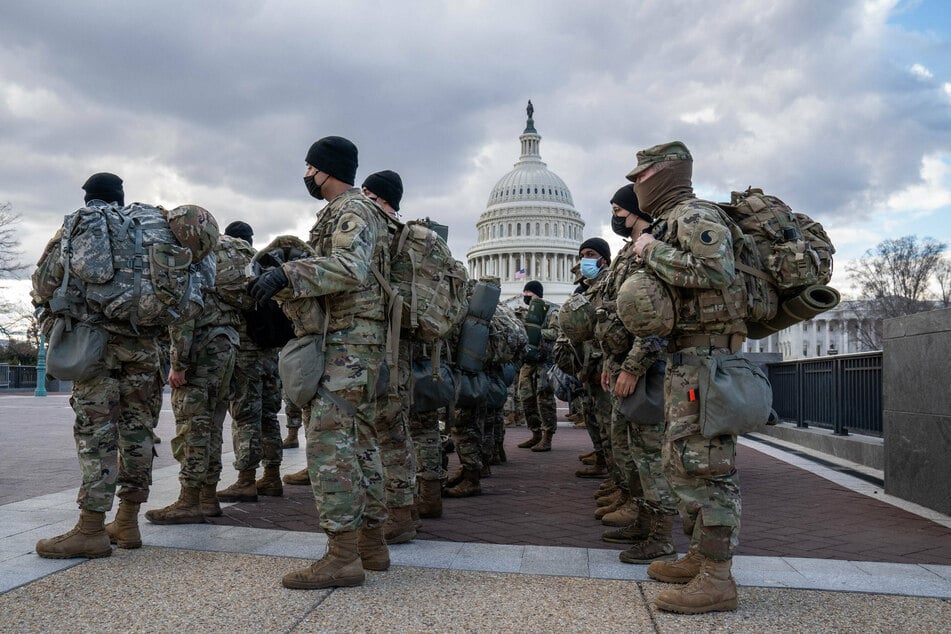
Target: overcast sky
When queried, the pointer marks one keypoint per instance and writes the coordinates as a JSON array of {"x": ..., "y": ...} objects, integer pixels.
[{"x": 842, "y": 108}]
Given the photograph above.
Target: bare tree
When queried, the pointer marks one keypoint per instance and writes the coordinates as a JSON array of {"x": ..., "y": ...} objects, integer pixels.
[
  {"x": 9, "y": 243},
  {"x": 894, "y": 279},
  {"x": 942, "y": 276}
]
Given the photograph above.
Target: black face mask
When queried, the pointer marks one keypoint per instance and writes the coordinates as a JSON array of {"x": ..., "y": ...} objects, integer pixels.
[
  {"x": 313, "y": 188},
  {"x": 527, "y": 299},
  {"x": 619, "y": 226}
]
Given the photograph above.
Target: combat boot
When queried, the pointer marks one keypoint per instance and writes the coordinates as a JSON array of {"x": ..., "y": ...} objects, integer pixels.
[
  {"x": 680, "y": 571},
  {"x": 291, "y": 442},
  {"x": 486, "y": 471},
  {"x": 545, "y": 443},
  {"x": 609, "y": 499},
  {"x": 244, "y": 490},
  {"x": 607, "y": 487},
  {"x": 658, "y": 545},
  {"x": 339, "y": 567},
  {"x": 430, "y": 498},
  {"x": 637, "y": 531},
  {"x": 467, "y": 488},
  {"x": 270, "y": 483},
  {"x": 399, "y": 527},
  {"x": 623, "y": 516},
  {"x": 620, "y": 500},
  {"x": 87, "y": 539},
  {"x": 531, "y": 442},
  {"x": 712, "y": 590},
  {"x": 185, "y": 510},
  {"x": 208, "y": 500},
  {"x": 299, "y": 478},
  {"x": 374, "y": 555},
  {"x": 456, "y": 478},
  {"x": 598, "y": 470},
  {"x": 124, "y": 529},
  {"x": 587, "y": 458}
]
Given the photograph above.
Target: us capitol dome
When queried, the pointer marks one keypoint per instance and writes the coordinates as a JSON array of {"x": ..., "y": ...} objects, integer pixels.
[{"x": 530, "y": 229}]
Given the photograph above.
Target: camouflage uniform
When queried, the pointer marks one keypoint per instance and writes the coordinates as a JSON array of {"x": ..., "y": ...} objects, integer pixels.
[
  {"x": 535, "y": 394},
  {"x": 292, "y": 414},
  {"x": 396, "y": 449},
  {"x": 423, "y": 429},
  {"x": 272, "y": 447},
  {"x": 205, "y": 349},
  {"x": 343, "y": 456}
]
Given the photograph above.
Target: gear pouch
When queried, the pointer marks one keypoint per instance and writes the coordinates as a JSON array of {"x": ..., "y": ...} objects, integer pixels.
[
  {"x": 77, "y": 350},
  {"x": 301, "y": 366},
  {"x": 735, "y": 396}
]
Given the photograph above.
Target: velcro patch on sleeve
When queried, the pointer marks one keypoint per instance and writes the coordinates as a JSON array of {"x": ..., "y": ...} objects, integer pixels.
[
  {"x": 706, "y": 238},
  {"x": 348, "y": 228}
]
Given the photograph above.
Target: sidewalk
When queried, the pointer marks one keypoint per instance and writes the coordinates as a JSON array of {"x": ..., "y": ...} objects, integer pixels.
[{"x": 819, "y": 551}]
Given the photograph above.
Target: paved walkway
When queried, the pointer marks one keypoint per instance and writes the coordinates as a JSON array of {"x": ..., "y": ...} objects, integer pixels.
[{"x": 820, "y": 551}]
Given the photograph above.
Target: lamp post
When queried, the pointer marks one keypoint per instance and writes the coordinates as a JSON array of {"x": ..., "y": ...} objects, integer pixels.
[{"x": 41, "y": 368}]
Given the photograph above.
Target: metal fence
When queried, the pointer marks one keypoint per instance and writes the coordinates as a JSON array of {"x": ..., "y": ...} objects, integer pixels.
[
  {"x": 842, "y": 393},
  {"x": 17, "y": 376}
]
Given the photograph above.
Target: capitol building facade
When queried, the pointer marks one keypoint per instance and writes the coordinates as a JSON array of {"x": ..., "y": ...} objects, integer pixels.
[{"x": 530, "y": 229}]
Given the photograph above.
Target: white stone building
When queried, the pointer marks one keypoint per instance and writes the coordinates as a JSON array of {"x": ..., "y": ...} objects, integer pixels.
[
  {"x": 832, "y": 332},
  {"x": 530, "y": 229}
]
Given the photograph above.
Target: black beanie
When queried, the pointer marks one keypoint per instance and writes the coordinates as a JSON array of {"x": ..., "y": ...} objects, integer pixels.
[
  {"x": 240, "y": 229},
  {"x": 626, "y": 199},
  {"x": 387, "y": 185},
  {"x": 597, "y": 244},
  {"x": 336, "y": 156},
  {"x": 105, "y": 187},
  {"x": 535, "y": 287}
]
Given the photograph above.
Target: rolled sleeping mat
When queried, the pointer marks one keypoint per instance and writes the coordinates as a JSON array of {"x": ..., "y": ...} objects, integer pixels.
[
  {"x": 473, "y": 347},
  {"x": 485, "y": 297},
  {"x": 812, "y": 301}
]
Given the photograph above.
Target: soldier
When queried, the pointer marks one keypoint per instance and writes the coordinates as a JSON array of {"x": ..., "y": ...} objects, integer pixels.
[
  {"x": 534, "y": 392},
  {"x": 595, "y": 254},
  {"x": 292, "y": 414},
  {"x": 203, "y": 353},
  {"x": 690, "y": 249},
  {"x": 646, "y": 520},
  {"x": 255, "y": 401},
  {"x": 399, "y": 469},
  {"x": 336, "y": 291}
]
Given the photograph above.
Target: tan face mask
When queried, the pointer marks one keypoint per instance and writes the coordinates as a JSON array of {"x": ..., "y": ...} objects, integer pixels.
[{"x": 670, "y": 184}]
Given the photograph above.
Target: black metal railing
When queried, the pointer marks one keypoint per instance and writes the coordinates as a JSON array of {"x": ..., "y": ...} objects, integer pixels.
[
  {"x": 842, "y": 393},
  {"x": 17, "y": 376}
]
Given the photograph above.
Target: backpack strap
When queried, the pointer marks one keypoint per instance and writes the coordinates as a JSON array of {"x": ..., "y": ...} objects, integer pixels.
[
  {"x": 138, "y": 263},
  {"x": 395, "y": 310}
]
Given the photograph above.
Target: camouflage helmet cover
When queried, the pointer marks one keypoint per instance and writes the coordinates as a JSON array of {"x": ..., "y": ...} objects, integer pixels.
[
  {"x": 672, "y": 151},
  {"x": 576, "y": 318},
  {"x": 645, "y": 305},
  {"x": 195, "y": 228}
]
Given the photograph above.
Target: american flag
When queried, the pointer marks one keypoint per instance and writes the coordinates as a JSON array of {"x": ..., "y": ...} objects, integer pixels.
[{"x": 519, "y": 274}]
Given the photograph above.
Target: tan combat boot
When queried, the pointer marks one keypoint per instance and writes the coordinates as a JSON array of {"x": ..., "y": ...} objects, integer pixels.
[
  {"x": 374, "y": 555},
  {"x": 545, "y": 443},
  {"x": 270, "y": 483},
  {"x": 607, "y": 487},
  {"x": 623, "y": 516},
  {"x": 657, "y": 545},
  {"x": 339, "y": 567},
  {"x": 300, "y": 478},
  {"x": 531, "y": 442},
  {"x": 610, "y": 498},
  {"x": 681, "y": 571},
  {"x": 637, "y": 531},
  {"x": 430, "y": 498},
  {"x": 185, "y": 510},
  {"x": 598, "y": 470},
  {"x": 619, "y": 500},
  {"x": 456, "y": 478},
  {"x": 244, "y": 490},
  {"x": 124, "y": 529},
  {"x": 467, "y": 488},
  {"x": 399, "y": 527},
  {"x": 208, "y": 500},
  {"x": 712, "y": 590},
  {"x": 87, "y": 539},
  {"x": 291, "y": 442}
]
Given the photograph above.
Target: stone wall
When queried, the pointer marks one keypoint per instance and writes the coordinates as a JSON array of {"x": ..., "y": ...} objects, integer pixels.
[{"x": 917, "y": 408}]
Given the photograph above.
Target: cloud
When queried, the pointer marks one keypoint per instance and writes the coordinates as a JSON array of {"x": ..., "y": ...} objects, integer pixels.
[{"x": 921, "y": 72}]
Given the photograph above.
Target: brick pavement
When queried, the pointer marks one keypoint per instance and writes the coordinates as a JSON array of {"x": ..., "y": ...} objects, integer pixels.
[{"x": 535, "y": 499}]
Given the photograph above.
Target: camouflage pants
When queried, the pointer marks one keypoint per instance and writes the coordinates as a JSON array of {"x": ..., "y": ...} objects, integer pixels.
[
  {"x": 293, "y": 414},
  {"x": 115, "y": 413},
  {"x": 343, "y": 455},
  {"x": 537, "y": 399},
  {"x": 199, "y": 408},
  {"x": 272, "y": 445},
  {"x": 396, "y": 448},
  {"x": 255, "y": 401},
  {"x": 701, "y": 471},
  {"x": 493, "y": 433},
  {"x": 647, "y": 442},
  {"x": 468, "y": 429},
  {"x": 424, "y": 432},
  {"x": 624, "y": 470}
]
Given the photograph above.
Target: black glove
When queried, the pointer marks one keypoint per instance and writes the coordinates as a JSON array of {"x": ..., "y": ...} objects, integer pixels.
[{"x": 263, "y": 287}]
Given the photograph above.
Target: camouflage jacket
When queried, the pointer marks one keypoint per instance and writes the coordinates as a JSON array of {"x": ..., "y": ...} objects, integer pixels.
[
  {"x": 693, "y": 254},
  {"x": 187, "y": 338},
  {"x": 507, "y": 338},
  {"x": 350, "y": 238}
]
